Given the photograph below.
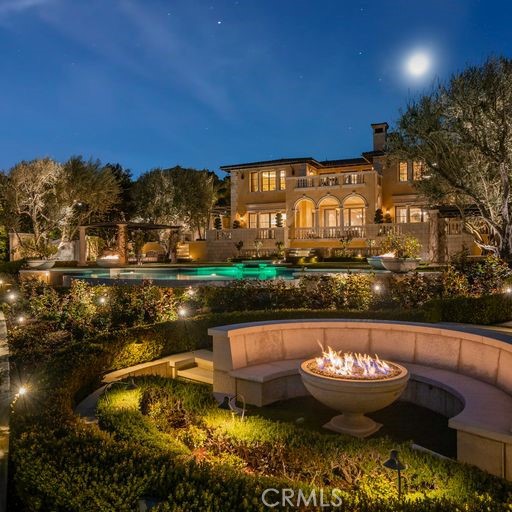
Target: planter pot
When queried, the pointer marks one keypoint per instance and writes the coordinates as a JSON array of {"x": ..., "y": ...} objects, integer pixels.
[
  {"x": 376, "y": 262},
  {"x": 40, "y": 264},
  {"x": 400, "y": 265}
]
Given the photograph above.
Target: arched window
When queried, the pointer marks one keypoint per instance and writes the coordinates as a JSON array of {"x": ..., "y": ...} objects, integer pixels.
[
  {"x": 327, "y": 209},
  {"x": 304, "y": 213},
  {"x": 353, "y": 211}
]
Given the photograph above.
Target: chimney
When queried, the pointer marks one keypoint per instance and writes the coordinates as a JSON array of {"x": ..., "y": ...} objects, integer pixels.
[{"x": 380, "y": 131}]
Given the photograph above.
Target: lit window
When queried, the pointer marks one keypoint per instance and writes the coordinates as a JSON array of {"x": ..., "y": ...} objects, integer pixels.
[
  {"x": 268, "y": 180},
  {"x": 282, "y": 180},
  {"x": 353, "y": 211},
  {"x": 417, "y": 214},
  {"x": 265, "y": 219},
  {"x": 403, "y": 175},
  {"x": 253, "y": 220},
  {"x": 417, "y": 171},
  {"x": 254, "y": 182},
  {"x": 401, "y": 214}
]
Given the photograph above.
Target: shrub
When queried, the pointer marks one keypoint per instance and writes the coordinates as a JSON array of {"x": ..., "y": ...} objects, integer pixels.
[
  {"x": 485, "y": 310},
  {"x": 336, "y": 291},
  {"x": 403, "y": 246},
  {"x": 11, "y": 267},
  {"x": 412, "y": 290},
  {"x": 86, "y": 310}
]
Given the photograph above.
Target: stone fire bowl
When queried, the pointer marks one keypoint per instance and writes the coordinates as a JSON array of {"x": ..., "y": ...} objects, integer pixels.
[
  {"x": 400, "y": 265},
  {"x": 354, "y": 398}
]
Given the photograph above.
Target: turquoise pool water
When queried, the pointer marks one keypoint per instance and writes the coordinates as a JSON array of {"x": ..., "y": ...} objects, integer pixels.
[{"x": 256, "y": 271}]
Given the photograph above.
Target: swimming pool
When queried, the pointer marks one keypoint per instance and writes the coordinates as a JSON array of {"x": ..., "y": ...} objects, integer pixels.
[{"x": 237, "y": 271}]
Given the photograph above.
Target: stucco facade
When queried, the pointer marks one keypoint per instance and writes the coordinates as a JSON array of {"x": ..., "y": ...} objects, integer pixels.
[{"x": 312, "y": 204}]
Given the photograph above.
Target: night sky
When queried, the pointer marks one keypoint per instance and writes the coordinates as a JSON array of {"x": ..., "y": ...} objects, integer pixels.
[{"x": 152, "y": 83}]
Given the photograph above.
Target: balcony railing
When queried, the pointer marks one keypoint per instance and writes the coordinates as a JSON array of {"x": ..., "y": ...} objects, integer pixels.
[
  {"x": 373, "y": 231},
  {"x": 334, "y": 232},
  {"x": 246, "y": 234},
  {"x": 329, "y": 180}
]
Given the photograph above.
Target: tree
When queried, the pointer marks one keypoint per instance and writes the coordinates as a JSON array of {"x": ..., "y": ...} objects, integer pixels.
[
  {"x": 154, "y": 197},
  {"x": 196, "y": 198},
  {"x": 217, "y": 223},
  {"x": 124, "y": 209},
  {"x": 462, "y": 134},
  {"x": 28, "y": 194},
  {"x": 379, "y": 216},
  {"x": 50, "y": 200},
  {"x": 86, "y": 191}
]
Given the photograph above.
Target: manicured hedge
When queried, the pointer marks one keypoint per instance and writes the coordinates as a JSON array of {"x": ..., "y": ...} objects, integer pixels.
[
  {"x": 141, "y": 344},
  {"x": 485, "y": 310}
]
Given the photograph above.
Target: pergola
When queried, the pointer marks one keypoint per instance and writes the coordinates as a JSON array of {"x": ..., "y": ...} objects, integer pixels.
[{"x": 122, "y": 236}]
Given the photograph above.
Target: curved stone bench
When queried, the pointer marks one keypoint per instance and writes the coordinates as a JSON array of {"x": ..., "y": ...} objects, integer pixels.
[{"x": 462, "y": 372}]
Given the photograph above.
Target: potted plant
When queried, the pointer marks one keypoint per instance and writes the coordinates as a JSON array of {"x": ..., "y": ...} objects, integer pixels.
[
  {"x": 402, "y": 252},
  {"x": 38, "y": 255}
]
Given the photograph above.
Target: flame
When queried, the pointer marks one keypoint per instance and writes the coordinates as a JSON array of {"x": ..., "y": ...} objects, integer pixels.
[
  {"x": 109, "y": 257},
  {"x": 387, "y": 255},
  {"x": 352, "y": 364}
]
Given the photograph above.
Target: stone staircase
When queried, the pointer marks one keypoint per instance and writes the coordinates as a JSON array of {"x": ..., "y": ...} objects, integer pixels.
[
  {"x": 198, "y": 366},
  {"x": 195, "y": 365},
  {"x": 183, "y": 252}
]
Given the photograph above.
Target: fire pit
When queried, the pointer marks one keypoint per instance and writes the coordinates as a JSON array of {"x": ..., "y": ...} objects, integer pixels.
[
  {"x": 353, "y": 384},
  {"x": 108, "y": 260}
]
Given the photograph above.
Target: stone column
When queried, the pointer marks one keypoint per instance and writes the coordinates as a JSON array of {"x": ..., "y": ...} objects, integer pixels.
[
  {"x": 82, "y": 246},
  {"x": 122, "y": 241}
]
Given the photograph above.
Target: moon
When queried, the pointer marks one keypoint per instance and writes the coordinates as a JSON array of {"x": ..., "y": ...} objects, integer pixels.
[{"x": 418, "y": 64}]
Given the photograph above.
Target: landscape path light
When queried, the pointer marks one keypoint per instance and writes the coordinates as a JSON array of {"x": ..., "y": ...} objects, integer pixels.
[
  {"x": 128, "y": 385},
  {"x": 229, "y": 404},
  {"x": 394, "y": 463}
]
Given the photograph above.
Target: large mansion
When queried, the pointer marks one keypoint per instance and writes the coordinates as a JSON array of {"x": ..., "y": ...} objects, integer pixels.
[{"x": 312, "y": 204}]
